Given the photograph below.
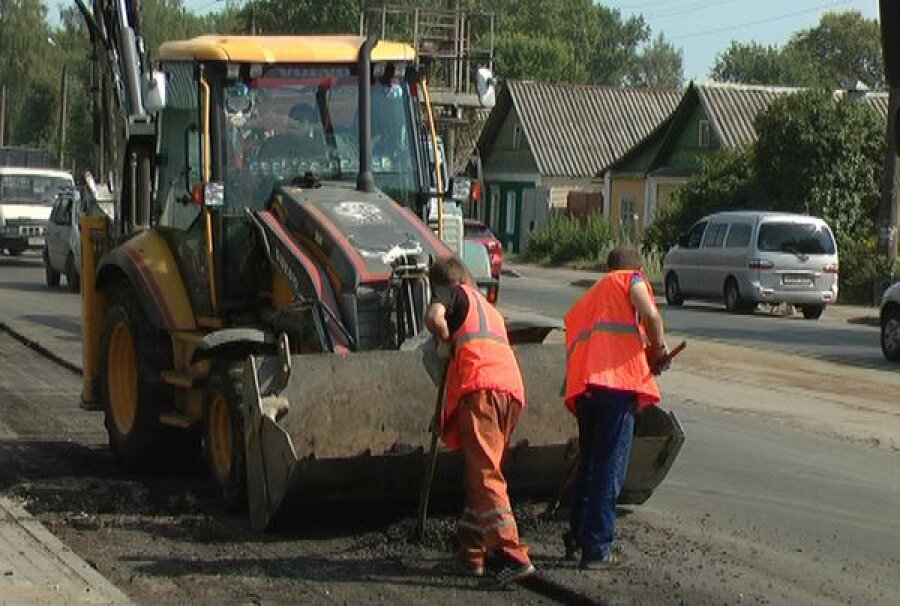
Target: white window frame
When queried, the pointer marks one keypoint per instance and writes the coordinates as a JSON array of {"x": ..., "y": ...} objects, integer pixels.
[{"x": 494, "y": 220}]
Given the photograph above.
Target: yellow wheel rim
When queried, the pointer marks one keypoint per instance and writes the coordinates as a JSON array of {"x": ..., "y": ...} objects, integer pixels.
[
  {"x": 123, "y": 379},
  {"x": 220, "y": 436}
]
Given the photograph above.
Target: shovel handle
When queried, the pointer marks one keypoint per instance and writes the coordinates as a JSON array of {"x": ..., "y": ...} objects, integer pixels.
[{"x": 425, "y": 494}]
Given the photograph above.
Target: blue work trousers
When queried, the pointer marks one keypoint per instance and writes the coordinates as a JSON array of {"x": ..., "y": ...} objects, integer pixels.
[{"x": 605, "y": 428}]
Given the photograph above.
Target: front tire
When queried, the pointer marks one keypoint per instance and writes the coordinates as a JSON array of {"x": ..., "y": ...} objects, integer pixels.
[
  {"x": 73, "y": 278},
  {"x": 132, "y": 355},
  {"x": 812, "y": 312},
  {"x": 673, "y": 291},
  {"x": 890, "y": 334},
  {"x": 50, "y": 275},
  {"x": 223, "y": 435}
]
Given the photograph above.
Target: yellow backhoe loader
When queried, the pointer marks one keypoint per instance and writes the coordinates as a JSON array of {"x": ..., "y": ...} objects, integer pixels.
[{"x": 268, "y": 264}]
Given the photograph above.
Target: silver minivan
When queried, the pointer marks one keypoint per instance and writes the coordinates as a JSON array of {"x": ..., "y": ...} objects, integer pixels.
[{"x": 748, "y": 258}]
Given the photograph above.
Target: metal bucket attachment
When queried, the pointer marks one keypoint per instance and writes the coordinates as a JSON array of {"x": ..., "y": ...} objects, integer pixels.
[{"x": 356, "y": 429}]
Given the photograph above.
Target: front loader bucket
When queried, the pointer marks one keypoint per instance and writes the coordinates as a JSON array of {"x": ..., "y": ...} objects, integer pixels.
[{"x": 357, "y": 430}]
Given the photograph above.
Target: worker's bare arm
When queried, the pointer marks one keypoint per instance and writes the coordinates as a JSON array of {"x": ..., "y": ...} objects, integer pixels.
[
  {"x": 653, "y": 322},
  {"x": 436, "y": 321}
]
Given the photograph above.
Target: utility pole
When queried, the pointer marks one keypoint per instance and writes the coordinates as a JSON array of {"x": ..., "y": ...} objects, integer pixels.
[
  {"x": 63, "y": 114},
  {"x": 2, "y": 115},
  {"x": 889, "y": 213}
]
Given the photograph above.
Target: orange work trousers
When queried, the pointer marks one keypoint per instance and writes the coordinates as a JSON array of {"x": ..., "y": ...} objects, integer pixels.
[{"x": 486, "y": 420}]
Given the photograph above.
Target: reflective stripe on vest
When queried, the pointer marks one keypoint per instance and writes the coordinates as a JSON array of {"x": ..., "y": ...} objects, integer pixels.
[
  {"x": 618, "y": 328},
  {"x": 482, "y": 333}
]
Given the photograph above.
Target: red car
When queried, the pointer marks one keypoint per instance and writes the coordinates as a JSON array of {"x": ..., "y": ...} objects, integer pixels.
[{"x": 473, "y": 229}]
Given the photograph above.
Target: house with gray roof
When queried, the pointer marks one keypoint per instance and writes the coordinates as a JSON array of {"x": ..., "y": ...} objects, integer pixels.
[
  {"x": 710, "y": 116},
  {"x": 543, "y": 141}
]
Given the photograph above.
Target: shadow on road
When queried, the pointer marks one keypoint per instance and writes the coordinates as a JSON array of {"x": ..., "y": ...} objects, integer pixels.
[
  {"x": 34, "y": 287},
  {"x": 64, "y": 324}
]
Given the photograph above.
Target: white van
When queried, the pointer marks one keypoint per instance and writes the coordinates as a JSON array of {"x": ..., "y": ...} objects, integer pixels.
[
  {"x": 747, "y": 258},
  {"x": 27, "y": 196}
]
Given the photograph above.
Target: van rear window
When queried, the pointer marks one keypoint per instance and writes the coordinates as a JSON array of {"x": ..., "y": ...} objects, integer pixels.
[{"x": 797, "y": 238}]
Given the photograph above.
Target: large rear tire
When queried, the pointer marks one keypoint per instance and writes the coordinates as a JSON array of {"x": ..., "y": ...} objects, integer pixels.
[
  {"x": 133, "y": 354},
  {"x": 223, "y": 435}
]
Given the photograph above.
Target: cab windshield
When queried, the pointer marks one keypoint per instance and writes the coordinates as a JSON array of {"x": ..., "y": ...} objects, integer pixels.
[{"x": 298, "y": 122}]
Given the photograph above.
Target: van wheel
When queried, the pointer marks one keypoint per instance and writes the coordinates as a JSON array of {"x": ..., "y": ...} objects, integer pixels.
[
  {"x": 812, "y": 312},
  {"x": 50, "y": 274},
  {"x": 890, "y": 334},
  {"x": 132, "y": 356},
  {"x": 223, "y": 435},
  {"x": 733, "y": 300},
  {"x": 73, "y": 279},
  {"x": 673, "y": 291}
]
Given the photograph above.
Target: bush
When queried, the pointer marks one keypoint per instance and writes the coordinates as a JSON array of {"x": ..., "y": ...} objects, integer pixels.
[
  {"x": 862, "y": 269},
  {"x": 570, "y": 240}
]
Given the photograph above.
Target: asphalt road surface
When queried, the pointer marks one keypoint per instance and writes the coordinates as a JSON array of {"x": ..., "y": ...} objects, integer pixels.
[
  {"x": 786, "y": 491},
  {"x": 540, "y": 291}
]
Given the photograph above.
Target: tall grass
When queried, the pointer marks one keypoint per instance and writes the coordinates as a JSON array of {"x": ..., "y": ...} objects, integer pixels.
[{"x": 582, "y": 243}]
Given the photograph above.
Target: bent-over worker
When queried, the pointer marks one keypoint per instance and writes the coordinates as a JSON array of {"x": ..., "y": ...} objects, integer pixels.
[
  {"x": 483, "y": 398},
  {"x": 609, "y": 376}
]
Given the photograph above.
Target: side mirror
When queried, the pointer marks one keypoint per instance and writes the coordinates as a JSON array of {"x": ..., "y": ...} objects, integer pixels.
[
  {"x": 682, "y": 240},
  {"x": 155, "y": 92},
  {"x": 485, "y": 85}
]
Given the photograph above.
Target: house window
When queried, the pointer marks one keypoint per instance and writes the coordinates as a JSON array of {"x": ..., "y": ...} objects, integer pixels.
[
  {"x": 517, "y": 136},
  {"x": 510, "y": 225},
  {"x": 494, "y": 218},
  {"x": 704, "y": 134},
  {"x": 628, "y": 215}
]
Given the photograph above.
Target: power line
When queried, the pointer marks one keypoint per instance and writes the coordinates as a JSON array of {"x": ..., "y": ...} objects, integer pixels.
[
  {"x": 761, "y": 21},
  {"x": 690, "y": 9}
]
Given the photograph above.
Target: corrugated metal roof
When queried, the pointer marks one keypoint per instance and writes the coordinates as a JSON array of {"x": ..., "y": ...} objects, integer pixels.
[
  {"x": 878, "y": 102},
  {"x": 732, "y": 109},
  {"x": 576, "y": 130}
]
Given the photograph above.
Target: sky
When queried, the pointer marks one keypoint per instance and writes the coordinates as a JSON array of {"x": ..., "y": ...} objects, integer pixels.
[{"x": 703, "y": 28}]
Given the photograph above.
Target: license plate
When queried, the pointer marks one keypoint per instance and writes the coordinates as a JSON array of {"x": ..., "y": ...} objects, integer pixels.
[
  {"x": 796, "y": 279},
  {"x": 35, "y": 241}
]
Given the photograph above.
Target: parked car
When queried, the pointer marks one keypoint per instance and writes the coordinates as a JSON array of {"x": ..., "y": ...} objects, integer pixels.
[
  {"x": 26, "y": 195},
  {"x": 62, "y": 242},
  {"x": 476, "y": 231},
  {"x": 890, "y": 323},
  {"x": 748, "y": 258}
]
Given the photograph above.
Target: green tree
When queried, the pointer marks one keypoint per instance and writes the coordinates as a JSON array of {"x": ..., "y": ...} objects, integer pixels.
[
  {"x": 823, "y": 157},
  {"x": 842, "y": 46},
  {"x": 658, "y": 65},
  {"x": 303, "y": 16},
  {"x": 520, "y": 56}
]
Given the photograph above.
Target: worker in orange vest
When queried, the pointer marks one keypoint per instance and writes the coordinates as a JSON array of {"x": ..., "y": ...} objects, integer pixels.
[
  {"x": 615, "y": 342},
  {"x": 483, "y": 398}
]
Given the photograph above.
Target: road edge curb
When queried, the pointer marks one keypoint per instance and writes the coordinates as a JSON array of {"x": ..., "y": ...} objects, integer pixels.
[{"x": 72, "y": 561}]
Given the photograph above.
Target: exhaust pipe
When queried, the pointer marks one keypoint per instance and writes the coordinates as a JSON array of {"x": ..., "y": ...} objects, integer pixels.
[{"x": 365, "y": 181}]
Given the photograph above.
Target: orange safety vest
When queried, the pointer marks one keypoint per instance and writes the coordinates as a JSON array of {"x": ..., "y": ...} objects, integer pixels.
[
  {"x": 482, "y": 360},
  {"x": 605, "y": 343}
]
